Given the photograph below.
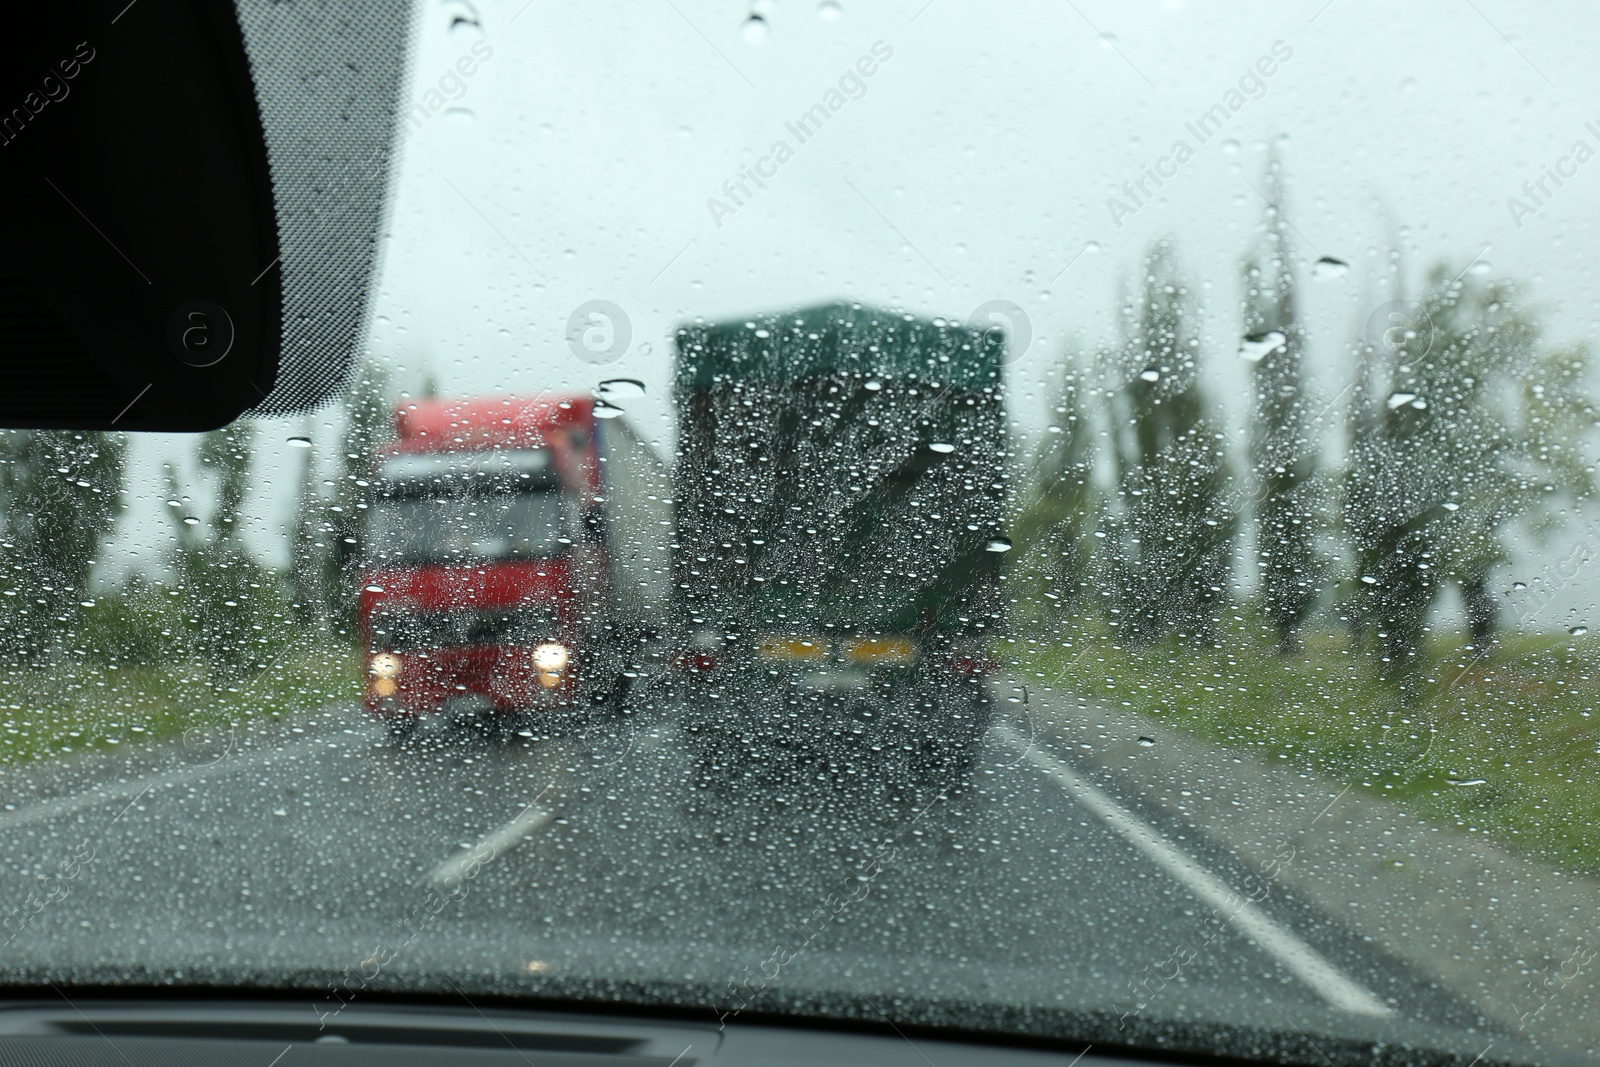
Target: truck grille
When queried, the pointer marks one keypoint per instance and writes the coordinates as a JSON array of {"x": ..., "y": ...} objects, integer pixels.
[{"x": 406, "y": 631}]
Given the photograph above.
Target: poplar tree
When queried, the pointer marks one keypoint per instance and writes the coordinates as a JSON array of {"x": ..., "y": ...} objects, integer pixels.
[
  {"x": 342, "y": 516},
  {"x": 1172, "y": 526},
  {"x": 60, "y": 490},
  {"x": 1282, "y": 453},
  {"x": 1461, "y": 427},
  {"x": 1058, "y": 521}
]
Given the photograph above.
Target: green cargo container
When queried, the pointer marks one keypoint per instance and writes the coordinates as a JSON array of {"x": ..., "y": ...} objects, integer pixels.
[{"x": 840, "y": 473}]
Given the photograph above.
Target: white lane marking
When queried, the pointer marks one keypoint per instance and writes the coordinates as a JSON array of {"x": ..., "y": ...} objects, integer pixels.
[
  {"x": 491, "y": 847},
  {"x": 1305, "y": 962},
  {"x": 132, "y": 790}
]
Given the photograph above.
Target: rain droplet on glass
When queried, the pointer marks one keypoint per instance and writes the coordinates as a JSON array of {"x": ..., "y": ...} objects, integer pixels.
[
  {"x": 1328, "y": 268},
  {"x": 1256, "y": 345},
  {"x": 1399, "y": 400},
  {"x": 621, "y": 388}
]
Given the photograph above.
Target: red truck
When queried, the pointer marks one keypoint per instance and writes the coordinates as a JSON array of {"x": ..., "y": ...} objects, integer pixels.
[{"x": 515, "y": 560}]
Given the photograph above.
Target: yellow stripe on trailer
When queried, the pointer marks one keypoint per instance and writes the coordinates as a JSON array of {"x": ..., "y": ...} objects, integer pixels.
[
  {"x": 890, "y": 650},
  {"x": 802, "y": 649}
]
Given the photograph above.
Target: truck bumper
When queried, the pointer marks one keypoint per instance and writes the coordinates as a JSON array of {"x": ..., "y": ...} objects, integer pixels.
[
  {"x": 845, "y": 718},
  {"x": 489, "y": 681}
]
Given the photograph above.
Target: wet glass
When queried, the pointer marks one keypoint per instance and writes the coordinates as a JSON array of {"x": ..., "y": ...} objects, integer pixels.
[
  {"x": 1065, "y": 521},
  {"x": 493, "y": 525}
]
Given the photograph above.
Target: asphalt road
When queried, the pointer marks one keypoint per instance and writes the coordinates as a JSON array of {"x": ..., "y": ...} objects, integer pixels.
[{"x": 324, "y": 849}]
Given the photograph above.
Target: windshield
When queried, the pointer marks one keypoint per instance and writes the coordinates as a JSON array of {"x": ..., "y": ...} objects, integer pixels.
[
  {"x": 1066, "y": 521},
  {"x": 465, "y": 527}
]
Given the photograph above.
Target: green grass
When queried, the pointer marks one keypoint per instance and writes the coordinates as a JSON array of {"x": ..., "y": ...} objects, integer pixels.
[
  {"x": 1521, "y": 721},
  {"x": 76, "y": 705}
]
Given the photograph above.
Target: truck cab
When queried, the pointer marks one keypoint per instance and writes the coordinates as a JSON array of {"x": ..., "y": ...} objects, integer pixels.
[{"x": 493, "y": 588}]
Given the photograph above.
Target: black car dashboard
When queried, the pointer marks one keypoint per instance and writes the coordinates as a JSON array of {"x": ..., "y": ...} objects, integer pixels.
[{"x": 282, "y": 1034}]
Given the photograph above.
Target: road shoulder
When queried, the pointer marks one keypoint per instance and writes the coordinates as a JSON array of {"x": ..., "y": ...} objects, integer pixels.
[{"x": 1495, "y": 929}]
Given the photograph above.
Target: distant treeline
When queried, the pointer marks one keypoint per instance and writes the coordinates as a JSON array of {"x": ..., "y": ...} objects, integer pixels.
[
  {"x": 1457, "y": 423},
  {"x": 207, "y": 597},
  {"x": 1456, "y": 427}
]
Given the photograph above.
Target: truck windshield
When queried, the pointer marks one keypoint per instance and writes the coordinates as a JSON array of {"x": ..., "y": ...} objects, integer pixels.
[{"x": 449, "y": 527}]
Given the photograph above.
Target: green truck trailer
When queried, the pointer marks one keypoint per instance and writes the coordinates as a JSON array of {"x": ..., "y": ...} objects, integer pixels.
[{"x": 839, "y": 486}]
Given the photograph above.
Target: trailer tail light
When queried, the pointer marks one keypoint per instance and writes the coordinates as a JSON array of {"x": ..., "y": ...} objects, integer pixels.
[
  {"x": 703, "y": 653},
  {"x": 694, "y": 662},
  {"x": 973, "y": 663},
  {"x": 888, "y": 651}
]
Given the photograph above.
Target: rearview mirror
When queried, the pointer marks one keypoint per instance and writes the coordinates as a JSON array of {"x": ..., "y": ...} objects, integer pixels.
[
  {"x": 143, "y": 256},
  {"x": 136, "y": 288}
]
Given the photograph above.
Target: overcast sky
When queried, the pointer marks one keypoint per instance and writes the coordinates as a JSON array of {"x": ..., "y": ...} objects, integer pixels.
[
  {"x": 977, "y": 164},
  {"x": 977, "y": 161}
]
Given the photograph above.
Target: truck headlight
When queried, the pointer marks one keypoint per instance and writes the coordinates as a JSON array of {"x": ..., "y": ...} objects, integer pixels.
[
  {"x": 385, "y": 670},
  {"x": 550, "y": 659},
  {"x": 551, "y": 656}
]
